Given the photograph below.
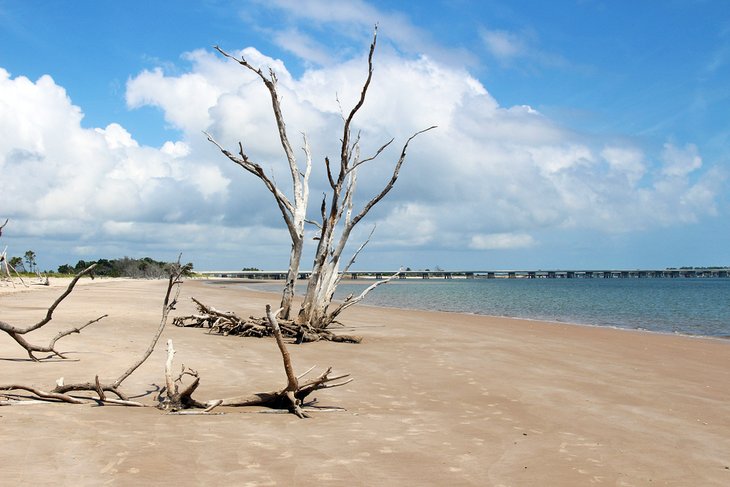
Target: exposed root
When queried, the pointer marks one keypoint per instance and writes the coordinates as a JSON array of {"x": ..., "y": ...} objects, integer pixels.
[
  {"x": 228, "y": 323},
  {"x": 292, "y": 397}
]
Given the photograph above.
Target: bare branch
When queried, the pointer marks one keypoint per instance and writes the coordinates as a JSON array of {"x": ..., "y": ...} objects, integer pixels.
[
  {"x": 351, "y": 301},
  {"x": 270, "y": 84},
  {"x": 374, "y": 156},
  {"x": 173, "y": 287},
  {"x": 17, "y": 333},
  {"x": 292, "y": 383},
  {"x": 45, "y": 395},
  {"x": 393, "y": 178},
  {"x": 313, "y": 222},
  {"x": 357, "y": 252},
  {"x": 359, "y": 104},
  {"x": 333, "y": 185},
  {"x": 52, "y": 308}
]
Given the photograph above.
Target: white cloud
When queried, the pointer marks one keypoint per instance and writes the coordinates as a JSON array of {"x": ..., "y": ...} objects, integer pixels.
[
  {"x": 510, "y": 46},
  {"x": 680, "y": 161},
  {"x": 627, "y": 160},
  {"x": 65, "y": 180},
  {"x": 501, "y": 241},
  {"x": 350, "y": 21},
  {"x": 502, "y": 44},
  {"x": 490, "y": 177}
]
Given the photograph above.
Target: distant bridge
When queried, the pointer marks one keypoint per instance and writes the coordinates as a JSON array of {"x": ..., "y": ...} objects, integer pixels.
[{"x": 491, "y": 274}]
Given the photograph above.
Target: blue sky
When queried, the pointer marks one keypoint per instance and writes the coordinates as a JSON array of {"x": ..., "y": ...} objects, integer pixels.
[{"x": 571, "y": 133}]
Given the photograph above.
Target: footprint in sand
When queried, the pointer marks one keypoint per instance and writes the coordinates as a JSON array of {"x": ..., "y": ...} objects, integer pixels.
[{"x": 111, "y": 467}]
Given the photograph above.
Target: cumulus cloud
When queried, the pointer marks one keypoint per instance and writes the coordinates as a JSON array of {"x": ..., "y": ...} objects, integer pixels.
[
  {"x": 489, "y": 178},
  {"x": 62, "y": 179},
  {"x": 680, "y": 161}
]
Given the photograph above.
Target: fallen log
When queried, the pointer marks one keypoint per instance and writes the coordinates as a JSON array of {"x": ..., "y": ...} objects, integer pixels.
[
  {"x": 228, "y": 323},
  {"x": 291, "y": 397}
]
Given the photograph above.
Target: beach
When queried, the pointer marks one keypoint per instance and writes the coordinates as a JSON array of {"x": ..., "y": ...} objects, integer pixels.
[{"x": 437, "y": 399}]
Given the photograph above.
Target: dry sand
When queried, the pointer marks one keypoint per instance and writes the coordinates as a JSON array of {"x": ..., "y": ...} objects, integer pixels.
[{"x": 438, "y": 399}]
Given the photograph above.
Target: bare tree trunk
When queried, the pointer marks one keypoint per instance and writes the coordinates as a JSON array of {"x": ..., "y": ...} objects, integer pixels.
[
  {"x": 292, "y": 275},
  {"x": 325, "y": 276},
  {"x": 337, "y": 221},
  {"x": 295, "y": 213}
]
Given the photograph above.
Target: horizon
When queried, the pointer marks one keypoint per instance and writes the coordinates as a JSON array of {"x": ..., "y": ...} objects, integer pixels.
[{"x": 570, "y": 135}]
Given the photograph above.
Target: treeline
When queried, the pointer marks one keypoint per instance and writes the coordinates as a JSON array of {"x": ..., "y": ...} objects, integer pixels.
[{"x": 144, "y": 268}]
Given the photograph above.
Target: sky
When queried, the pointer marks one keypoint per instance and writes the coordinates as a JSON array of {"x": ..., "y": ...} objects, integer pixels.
[{"x": 572, "y": 134}]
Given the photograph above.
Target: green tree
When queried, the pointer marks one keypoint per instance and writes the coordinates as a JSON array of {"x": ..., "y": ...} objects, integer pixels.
[
  {"x": 30, "y": 260},
  {"x": 17, "y": 264},
  {"x": 65, "y": 269}
]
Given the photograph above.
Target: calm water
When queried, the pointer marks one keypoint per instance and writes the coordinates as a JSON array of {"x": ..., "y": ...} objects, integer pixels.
[{"x": 688, "y": 306}]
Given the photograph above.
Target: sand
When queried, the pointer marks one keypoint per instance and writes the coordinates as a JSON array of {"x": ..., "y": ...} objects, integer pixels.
[{"x": 438, "y": 399}]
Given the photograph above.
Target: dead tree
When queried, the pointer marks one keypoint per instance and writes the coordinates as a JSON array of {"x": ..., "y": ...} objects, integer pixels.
[
  {"x": 62, "y": 390},
  {"x": 339, "y": 219},
  {"x": 173, "y": 398},
  {"x": 5, "y": 266},
  {"x": 229, "y": 323},
  {"x": 291, "y": 397},
  {"x": 18, "y": 334},
  {"x": 294, "y": 213}
]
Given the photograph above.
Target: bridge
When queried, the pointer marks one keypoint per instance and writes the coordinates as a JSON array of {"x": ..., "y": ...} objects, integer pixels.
[{"x": 490, "y": 274}]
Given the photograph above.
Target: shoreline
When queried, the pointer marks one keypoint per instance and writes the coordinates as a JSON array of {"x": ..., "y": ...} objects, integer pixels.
[
  {"x": 243, "y": 285},
  {"x": 439, "y": 398}
]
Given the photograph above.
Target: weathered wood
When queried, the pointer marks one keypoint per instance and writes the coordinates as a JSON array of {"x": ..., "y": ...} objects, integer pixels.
[
  {"x": 294, "y": 214},
  {"x": 291, "y": 397},
  {"x": 228, "y": 323},
  {"x": 172, "y": 398},
  {"x": 60, "y": 392},
  {"x": 340, "y": 216},
  {"x": 18, "y": 333}
]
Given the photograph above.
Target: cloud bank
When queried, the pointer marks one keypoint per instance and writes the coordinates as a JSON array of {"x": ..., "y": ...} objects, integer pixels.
[{"x": 490, "y": 177}]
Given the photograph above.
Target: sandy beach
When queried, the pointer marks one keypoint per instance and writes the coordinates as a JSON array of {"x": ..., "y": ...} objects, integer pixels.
[{"x": 438, "y": 399}]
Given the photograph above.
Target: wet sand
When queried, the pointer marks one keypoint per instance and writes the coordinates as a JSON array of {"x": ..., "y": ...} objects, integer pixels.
[{"x": 438, "y": 399}]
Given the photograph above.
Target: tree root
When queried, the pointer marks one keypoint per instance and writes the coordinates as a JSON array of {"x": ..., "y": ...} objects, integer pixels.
[
  {"x": 228, "y": 323},
  {"x": 291, "y": 397}
]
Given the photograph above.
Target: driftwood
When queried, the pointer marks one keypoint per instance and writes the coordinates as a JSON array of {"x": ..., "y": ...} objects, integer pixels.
[
  {"x": 5, "y": 268},
  {"x": 62, "y": 390},
  {"x": 5, "y": 265},
  {"x": 176, "y": 399},
  {"x": 173, "y": 399},
  {"x": 291, "y": 397},
  {"x": 18, "y": 334},
  {"x": 228, "y": 323}
]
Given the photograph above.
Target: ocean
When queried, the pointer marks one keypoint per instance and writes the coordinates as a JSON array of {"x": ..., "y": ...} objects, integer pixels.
[{"x": 691, "y": 306}]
